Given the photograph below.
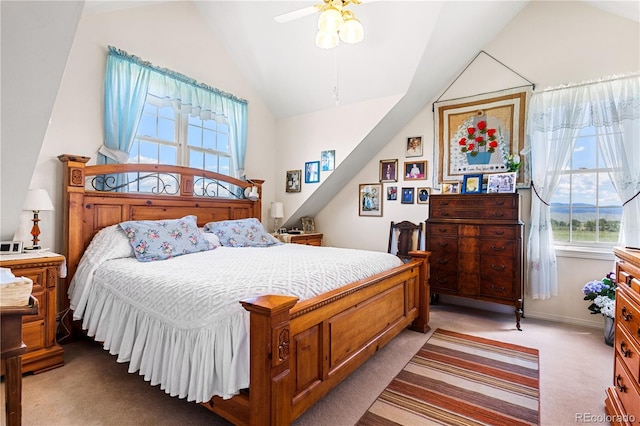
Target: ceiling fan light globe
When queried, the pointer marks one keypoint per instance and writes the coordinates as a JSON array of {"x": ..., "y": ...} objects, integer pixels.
[
  {"x": 352, "y": 31},
  {"x": 330, "y": 20},
  {"x": 327, "y": 40}
]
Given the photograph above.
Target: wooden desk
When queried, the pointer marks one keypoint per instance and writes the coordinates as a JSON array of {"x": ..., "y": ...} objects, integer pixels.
[{"x": 12, "y": 348}]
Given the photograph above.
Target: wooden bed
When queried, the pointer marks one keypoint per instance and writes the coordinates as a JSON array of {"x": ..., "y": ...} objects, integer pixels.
[{"x": 299, "y": 351}]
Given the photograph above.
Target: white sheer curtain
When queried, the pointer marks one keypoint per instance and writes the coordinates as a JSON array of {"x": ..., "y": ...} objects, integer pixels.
[{"x": 555, "y": 117}]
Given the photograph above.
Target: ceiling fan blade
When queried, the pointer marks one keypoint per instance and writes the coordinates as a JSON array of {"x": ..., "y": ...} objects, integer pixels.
[{"x": 290, "y": 16}]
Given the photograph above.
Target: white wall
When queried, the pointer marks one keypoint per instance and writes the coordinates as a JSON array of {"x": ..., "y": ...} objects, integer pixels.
[{"x": 147, "y": 32}]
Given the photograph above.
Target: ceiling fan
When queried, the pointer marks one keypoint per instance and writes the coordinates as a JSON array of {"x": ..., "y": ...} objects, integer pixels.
[
  {"x": 310, "y": 10},
  {"x": 334, "y": 23}
]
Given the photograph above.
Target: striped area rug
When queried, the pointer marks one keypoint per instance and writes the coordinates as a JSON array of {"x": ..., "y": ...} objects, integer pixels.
[{"x": 457, "y": 379}]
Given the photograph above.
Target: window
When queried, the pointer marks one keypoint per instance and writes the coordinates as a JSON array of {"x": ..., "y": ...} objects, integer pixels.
[
  {"x": 167, "y": 136},
  {"x": 585, "y": 208}
]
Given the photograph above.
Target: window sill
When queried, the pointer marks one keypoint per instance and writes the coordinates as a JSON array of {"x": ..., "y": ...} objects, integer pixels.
[{"x": 597, "y": 253}]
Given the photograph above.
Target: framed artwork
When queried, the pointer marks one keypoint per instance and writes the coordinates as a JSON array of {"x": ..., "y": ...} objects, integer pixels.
[
  {"x": 414, "y": 146},
  {"x": 370, "y": 199},
  {"x": 392, "y": 193},
  {"x": 476, "y": 134},
  {"x": 407, "y": 196},
  {"x": 312, "y": 172},
  {"x": 293, "y": 180},
  {"x": 472, "y": 184},
  {"x": 308, "y": 224},
  {"x": 450, "y": 187},
  {"x": 502, "y": 182},
  {"x": 389, "y": 170},
  {"x": 327, "y": 160},
  {"x": 423, "y": 195},
  {"x": 415, "y": 170}
]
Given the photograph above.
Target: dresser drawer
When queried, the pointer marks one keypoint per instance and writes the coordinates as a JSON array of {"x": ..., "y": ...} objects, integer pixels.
[
  {"x": 505, "y": 232},
  {"x": 443, "y": 280},
  {"x": 627, "y": 350},
  {"x": 442, "y": 229},
  {"x": 496, "y": 289},
  {"x": 33, "y": 335},
  {"x": 443, "y": 245},
  {"x": 498, "y": 247},
  {"x": 626, "y": 388},
  {"x": 627, "y": 313}
]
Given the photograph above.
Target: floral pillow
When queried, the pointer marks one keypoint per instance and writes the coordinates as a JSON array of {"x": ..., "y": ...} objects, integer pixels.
[
  {"x": 162, "y": 239},
  {"x": 241, "y": 233}
]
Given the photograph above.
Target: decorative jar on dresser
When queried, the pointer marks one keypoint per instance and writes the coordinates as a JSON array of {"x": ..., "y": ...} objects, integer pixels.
[
  {"x": 476, "y": 246},
  {"x": 623, "y": 398},
  {"x": 39, "y": 331}
]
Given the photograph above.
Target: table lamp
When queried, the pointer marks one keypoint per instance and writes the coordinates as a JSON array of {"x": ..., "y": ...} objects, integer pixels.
[
  {"x": 37, "y": 200},
  {"x": 277, "y": 213}
]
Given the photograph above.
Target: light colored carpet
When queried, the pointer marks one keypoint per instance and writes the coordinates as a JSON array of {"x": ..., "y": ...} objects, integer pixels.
[{"x": 92, "y": 389}]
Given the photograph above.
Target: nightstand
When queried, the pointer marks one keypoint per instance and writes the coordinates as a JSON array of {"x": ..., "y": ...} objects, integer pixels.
[
  {"x": 309, "y": 239},
  {"x": 39, "y": 330}
]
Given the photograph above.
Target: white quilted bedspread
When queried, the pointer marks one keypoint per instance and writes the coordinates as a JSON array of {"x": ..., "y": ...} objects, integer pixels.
[{"x": 179, "y": 323}]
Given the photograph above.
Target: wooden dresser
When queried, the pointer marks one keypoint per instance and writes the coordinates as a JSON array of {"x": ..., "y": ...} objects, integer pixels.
[
  {"x": 623, "y": 399},
  {"x": 39, "y": 331},
  {"x": 476, "y": 246}
]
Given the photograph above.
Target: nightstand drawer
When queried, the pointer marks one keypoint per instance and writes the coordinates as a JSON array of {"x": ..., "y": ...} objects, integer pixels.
[
  {"x": 627, "y": 350},
  {"x": 626, "y": 388},
  {"x": 627, "y": 313}
]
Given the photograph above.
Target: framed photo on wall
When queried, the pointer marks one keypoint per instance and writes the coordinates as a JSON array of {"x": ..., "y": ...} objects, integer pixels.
[
  {"x": 414, "y": 146},
  {"x": 389, "y": 170},
  {"x": 312, "y": 172},
  {"x": 423, "y": 195},
  {"x": 293, "y": 180},
  {"x": 475, "y": 134},
  {"x": 327, "y": 160},
  {"x": 407, "y": 195},
  {"x": 472, "y": 184},
  {"x": 370, "y": 199},
  {"x": 415, "y": 170},
  {"x": 501, "y": 182},
  {"x": 392, "y": 193}
]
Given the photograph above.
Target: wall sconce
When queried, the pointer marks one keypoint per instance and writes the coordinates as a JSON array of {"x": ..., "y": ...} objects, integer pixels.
[
  {"x": 251, "y": 193},
  {"x": 37, "y": 200},
  {"x": 277, "y": 213}
]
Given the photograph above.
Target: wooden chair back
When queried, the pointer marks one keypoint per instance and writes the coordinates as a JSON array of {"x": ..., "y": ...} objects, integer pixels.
[{"x": 404, "y": 232}]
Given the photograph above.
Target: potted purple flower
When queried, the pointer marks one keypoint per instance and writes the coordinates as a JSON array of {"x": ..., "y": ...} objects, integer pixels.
[{"x": 602, "y": 295}]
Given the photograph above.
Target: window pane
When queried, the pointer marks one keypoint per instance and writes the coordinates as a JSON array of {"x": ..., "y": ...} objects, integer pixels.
[
  {"x": 168, "y": 155},
  {"x": 133, "y": 154},
  {"x": 196, "y": 159},
  {"x": 561, "y": 210},
  {"x": 209, "y": 139},
  {"x": 209, "y": 124},
  {"x": 223, "y": 143},
  {"x": 211, "y": 162},
  {"x": 223, "y": 128},
  {"x": 224, "y": 166},
  {"x": 583, "y": 224},
  {"x": 607, "y": 195},
  {"x": 167, "y": 112},
  {"x": 148, "y": 152},
  {"x": 196, "y": 121},
  {"x": 584, "y": 188},
  {"x": 584, "y": 154},
  {"x": 166, "y": 129},
  {"x": 194, "y": 137},
  {"x": 147, "y": 126}
]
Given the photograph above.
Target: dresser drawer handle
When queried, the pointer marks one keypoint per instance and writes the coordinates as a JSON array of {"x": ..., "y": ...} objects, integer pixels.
[
  {"x": 445, "y": 214},
  {"x": 443, "y": 230},
  {"x": 494, "y": 248},
  {"x": 498, "y": 267},
  {"x": 501, "y": 289},
  {"x": 625, "y": 315},
  {"x": 445, "y": 203},
  {"x": 498, "y": 202},
  {"x": 442, "y": 280},
  {"x": 622, "y": 388},
  {"x": 498, "y": 232},
  {"x": 443, "y": 243},
  {"x": 625, "y": 352},
  {"x": 498, "y": 214},
  {"x": 442, "y": 260}
]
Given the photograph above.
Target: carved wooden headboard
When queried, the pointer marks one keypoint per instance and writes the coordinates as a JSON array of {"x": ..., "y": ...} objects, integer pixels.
[{"x": 99, "y": 196}]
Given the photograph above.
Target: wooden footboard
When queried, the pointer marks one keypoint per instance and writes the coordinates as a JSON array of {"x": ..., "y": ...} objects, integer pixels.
[{"x": 300, "y": 351}]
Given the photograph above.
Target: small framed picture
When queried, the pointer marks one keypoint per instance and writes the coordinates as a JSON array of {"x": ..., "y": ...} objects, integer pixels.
[
  {"x": 327, "y": 160},
  {"x": 389, "y": 170},
  {"x": 308, "y": 224},
  {"x": 450, "y": 187},
  {"x": 293, "y": 180},
  {"x": 392, "y": 193},
  {"x": 312, "y": 172},
  {"x": 423, "y": 195},
  {"x": 414, "y": 146},
  {"x": 370, "y": 199},
  {"x": 407, "y": 195},
  {"x": 282, "y": 231},
  {"x": 501, "y": 182},
  {"x": 415, "y": 170},
  {"x": 472, "y": 184}
]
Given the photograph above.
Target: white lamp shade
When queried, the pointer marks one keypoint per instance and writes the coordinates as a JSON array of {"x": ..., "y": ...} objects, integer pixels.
[
  {"x": 277, "y": 210},
  {"x": 352, "y": 31},
  {"x": 327, "y": 40},
  {"x": 252, "y": 193},
  {"x": 330, "y": 20},
  {"x": 37, "y": 200}
]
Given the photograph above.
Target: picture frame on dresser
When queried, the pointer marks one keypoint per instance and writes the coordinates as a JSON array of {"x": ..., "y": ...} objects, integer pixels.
[
  {"x": 501, "y": 183},
  {"x": 472, "y": 184}
]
